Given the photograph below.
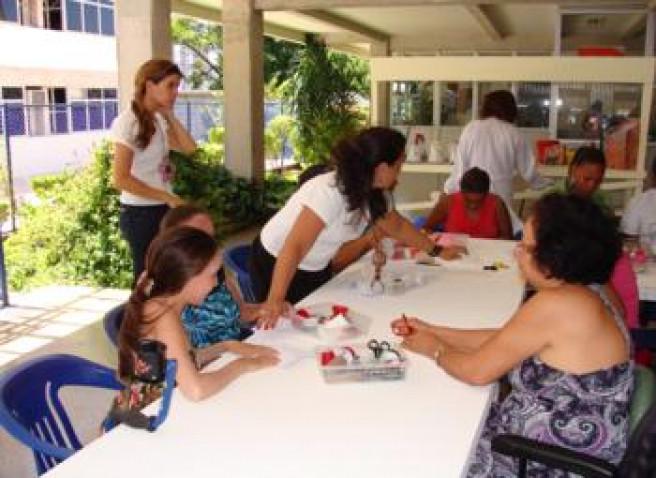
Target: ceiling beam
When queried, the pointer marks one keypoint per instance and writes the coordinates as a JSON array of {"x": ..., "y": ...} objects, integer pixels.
[
  {"x": 326, "y": 4},
  {"x": 485, "y": 22},
  {"x": 345, "y": 24},
  {"x": 638, "y": 24},
  {"x": 182, "y": 7}
]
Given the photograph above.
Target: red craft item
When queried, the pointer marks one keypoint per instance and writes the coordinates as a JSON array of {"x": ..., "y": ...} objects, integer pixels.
[
  {"x": 303, "y": 313},
  {"x": 327, "y": 356},
  {"x": 339, "y": 309}
]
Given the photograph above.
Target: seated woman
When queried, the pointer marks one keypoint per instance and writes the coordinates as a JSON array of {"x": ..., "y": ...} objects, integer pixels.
[
  {"x": 474, "y": 210},
  {"x": 585, "y": 175},
  {"x": 223, "y": 315},
  {"x": 566, "y": 350},
  {"x": 181, "y": 269}
]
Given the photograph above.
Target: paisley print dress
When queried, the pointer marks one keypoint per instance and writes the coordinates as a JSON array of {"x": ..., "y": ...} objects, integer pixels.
[{"x": 587, "y": 413}]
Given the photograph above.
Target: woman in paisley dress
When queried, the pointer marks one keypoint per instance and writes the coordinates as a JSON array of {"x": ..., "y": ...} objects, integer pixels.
[{"x": 566, "y": 351}]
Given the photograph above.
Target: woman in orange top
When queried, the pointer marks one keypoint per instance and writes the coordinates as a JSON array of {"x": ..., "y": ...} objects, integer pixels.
[{"x": 474, "y": 210}]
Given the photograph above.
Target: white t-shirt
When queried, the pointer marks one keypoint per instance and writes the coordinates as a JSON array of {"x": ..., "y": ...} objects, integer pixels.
[
  {"x": 151, "y": 164},
  {"x": 639, "y": 219},
  {"x": 322, "y": 196},
  {"x": 499, "y": 148}
]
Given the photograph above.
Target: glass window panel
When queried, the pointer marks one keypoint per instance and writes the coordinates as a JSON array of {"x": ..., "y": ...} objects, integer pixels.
[
  {"x": 109, "y": 93},
  {"x": 533, "y": 100},
  {"x": 8, "y": 10},
  {"x": 96, "y": 115},
  {"x": 94, "y": 93},
  {"x": 583, "y": 107},
  {"x": 73, "y": 15},
  {"x": 412, "y": 102},
  {"x": 91, "y": 18},
  {"x": 107, "y": 21},
  {"x": 12, "y": 93},
  {"x": 15, "y": 118},
  {"x": 111, "y": 112},
  {"x": 59, "y": 119},
  {"x": 456, "y": 103},
  {"x": 79, "y": 116}
]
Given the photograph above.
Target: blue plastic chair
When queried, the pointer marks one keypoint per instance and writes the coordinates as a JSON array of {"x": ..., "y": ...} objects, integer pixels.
[
  {"x": 236, "y": 258},
  {"x": 112, "y": 322},
  {"x": 30, "y": 408}
]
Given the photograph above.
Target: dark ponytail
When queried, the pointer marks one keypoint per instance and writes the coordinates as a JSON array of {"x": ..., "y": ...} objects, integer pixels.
[{"x": 356, "y": 159}]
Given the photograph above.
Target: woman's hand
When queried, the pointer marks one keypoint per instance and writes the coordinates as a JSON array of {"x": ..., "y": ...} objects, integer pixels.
[
  {"x": 270, "y": 312},
  {"x": 405, "y": 326},
  {"x": 423, "y": 343},
  {"x": 450, "y": 253}
]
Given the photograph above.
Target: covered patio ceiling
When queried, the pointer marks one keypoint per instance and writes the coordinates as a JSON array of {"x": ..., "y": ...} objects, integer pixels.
[{"x": 429, "y": 27}]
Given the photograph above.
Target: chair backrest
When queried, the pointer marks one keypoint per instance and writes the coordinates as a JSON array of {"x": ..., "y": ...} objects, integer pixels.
[
  {"x": 236, "y": 259},
  {"x": 112, "y": 322},
  {"x": 644, "y": 394},
  {"x": 640, "y": 457},
  {"x": 31, "y": 410}
]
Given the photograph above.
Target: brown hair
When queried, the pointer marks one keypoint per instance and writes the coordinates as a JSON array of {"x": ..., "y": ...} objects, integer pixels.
[
  {"x": 500, "y": 104},
  {"x": 174, "y": 257},
  {"x": 181, "y": 214},
  {"x": 153, "y": 70}
]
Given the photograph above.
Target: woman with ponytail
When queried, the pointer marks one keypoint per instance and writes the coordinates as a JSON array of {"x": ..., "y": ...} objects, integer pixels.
[
  {"x": 142, "y": 136},
  {"x": 292, "y": 255},
  {"x": 181, "y": 269}
]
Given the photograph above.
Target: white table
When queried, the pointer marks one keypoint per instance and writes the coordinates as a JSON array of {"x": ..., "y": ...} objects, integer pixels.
[{"x": 286, "y": 422}]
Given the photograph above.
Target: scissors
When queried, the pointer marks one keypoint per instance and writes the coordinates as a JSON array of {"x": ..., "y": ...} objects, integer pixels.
[
  {"x": 379, "y": 259},
  {"x": 379, "y": 348}
]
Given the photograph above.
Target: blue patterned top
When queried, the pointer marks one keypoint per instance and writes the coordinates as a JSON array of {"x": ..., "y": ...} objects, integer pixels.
[
  {"x": 215, "y": 320},
  {"x": 587, "y": 412}
]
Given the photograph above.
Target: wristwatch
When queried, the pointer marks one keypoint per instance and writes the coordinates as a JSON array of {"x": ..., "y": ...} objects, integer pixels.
[{"x": 436, "y": 250}]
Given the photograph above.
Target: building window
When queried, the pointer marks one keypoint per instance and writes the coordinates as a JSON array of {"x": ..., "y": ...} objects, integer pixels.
[
  {"x": 52, "y": 15},
  {"x": 90, "y": 16},
  {"x": 93, "y": 108},
  {"x": 12, "y": 112},
  {"x": 9, "y": 10}
]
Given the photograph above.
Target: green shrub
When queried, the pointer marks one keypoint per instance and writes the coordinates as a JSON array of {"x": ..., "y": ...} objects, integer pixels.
[{"x": 71, "y": 235}]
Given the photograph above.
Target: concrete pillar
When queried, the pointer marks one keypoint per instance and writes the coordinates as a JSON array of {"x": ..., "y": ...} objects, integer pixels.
[
  {"x": 243, "y": 86},
  {"x": 380, "y": 90},
  {"x": 143, "y": 31}
]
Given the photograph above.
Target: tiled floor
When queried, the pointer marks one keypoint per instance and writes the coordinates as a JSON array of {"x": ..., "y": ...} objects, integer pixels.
[{"x": 37, "y": 318}]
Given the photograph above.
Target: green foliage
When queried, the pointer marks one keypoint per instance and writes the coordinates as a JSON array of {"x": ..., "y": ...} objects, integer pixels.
[
  {"x": 324, "y": 90},
  {"x": 71, "y": 235},
  {"x": 280, "y": 129},
  {"x": 234, "y": 202},
  {"x": 215, "y": 146},
  {"x": 205, "y": 40}
]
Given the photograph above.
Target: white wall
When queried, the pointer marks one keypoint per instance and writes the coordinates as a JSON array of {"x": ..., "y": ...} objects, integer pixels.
[
  {"x": 34, "y": 56},
  {"x": 36, "y": 155}
]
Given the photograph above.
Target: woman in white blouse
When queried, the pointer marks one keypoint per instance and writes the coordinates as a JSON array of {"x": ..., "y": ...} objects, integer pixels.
[
  {"x": 142, "y": 136},
  {"x": 292, "y": 255},
  {"x": 494, "y": 144}
]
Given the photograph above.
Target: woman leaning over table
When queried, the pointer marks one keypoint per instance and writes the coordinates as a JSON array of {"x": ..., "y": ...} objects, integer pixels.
[
  {"x": 291, "y": 257},
  {"x": 572, "y": 381},
  {"x": 142, "y": 136}
]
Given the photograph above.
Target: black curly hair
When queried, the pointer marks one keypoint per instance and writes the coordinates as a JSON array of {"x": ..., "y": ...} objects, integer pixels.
[
  {"x": 575, "y": 240},
  {"x": 499, "y": 104},
  {"x": 475, "y": 180},
  {"x": 356, "y": 159}
]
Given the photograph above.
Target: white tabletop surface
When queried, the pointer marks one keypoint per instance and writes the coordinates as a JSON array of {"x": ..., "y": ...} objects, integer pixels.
[{"x": 286, "y": 422}]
